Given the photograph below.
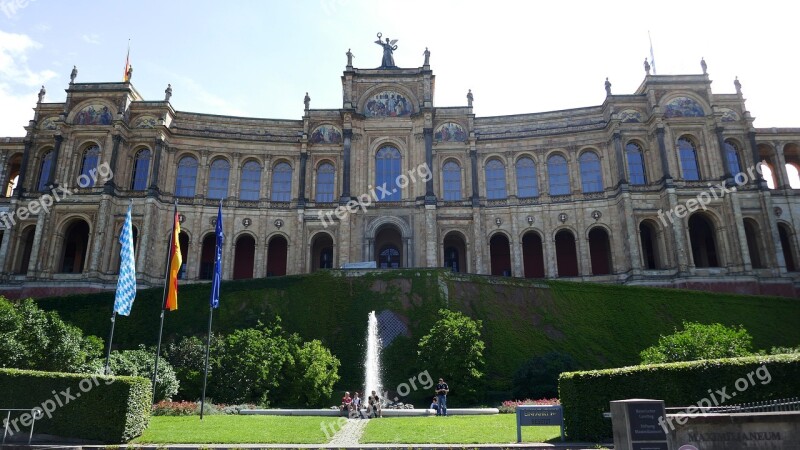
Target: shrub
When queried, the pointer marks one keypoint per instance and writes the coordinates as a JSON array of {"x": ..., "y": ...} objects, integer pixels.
[
  {"x": 510, "y": 406},
  {"x": 108, "y": 409},
  {"x": 538, "y": 377},
  {"x": 586, "y": 395},
  {"x": 184, "y": 408},
  {"x": 34, "y": 339},
  {"x": 453, "y": 350},
  {"x": 139, "y": 363},
  {"x": 187, "y": 357},
  {"x": 309, "y": 374},
  {"x": 699, "y": 341}
]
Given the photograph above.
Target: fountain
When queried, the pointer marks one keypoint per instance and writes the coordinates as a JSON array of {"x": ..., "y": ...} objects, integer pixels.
[{"x": 372, "y": 360}]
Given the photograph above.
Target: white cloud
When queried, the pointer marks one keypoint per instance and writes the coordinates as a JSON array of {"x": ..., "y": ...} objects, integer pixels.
[
  {"x": 19, "y": 83},
  {"x": 91, "y": 38}
]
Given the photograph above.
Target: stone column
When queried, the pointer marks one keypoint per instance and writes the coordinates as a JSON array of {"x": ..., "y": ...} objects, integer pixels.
[
  {"x": 744, "y": 262},
  {"x": 153, "y": 190},
  {"x": 4, "y": 250},
  {"x": 473, "y": 159},
  {"x": 620, "y": 155},
  {"x": 37, "y": 243},
  {"x": 97, "y": 238},
  {"x": 51, "y": 177},
  {"x": 348, "y": 135},
  {"x": 23, "y": 170},
  {"x": 4, "y": 172},
  {"x": 781, "y": 177},
  {"x": 477, "y": 236},
  {"x": 751, "y": 139},
  {"x": 516, "y": 250},
  {"x": 110, "y": 184},
  {"x": 631, "y": 230},
  {"x": 726, "y": 171},
  {"x": 234, "y": 178},
  {"x": 430, "y": 196},
  {"x": 301, "y": 189},
  {"x": 144, "y": 239},
  {"x": 431, "y": 237},
  {"x": 678, "y": 228},
  {"x": 551, "y": 266},
  {"x": 662, "y": 150}
]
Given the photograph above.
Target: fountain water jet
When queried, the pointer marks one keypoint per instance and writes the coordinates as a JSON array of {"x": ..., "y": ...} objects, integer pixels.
[{"x": 372, "y": 360}]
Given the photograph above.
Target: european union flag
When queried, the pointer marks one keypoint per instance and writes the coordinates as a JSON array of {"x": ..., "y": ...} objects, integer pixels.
[
  {"x": 126, "y": 284},
  {"x": 217, "y": 261}
]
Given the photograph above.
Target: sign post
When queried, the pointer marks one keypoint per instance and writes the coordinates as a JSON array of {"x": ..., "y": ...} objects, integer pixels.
[{"x": 539, "y": 415}]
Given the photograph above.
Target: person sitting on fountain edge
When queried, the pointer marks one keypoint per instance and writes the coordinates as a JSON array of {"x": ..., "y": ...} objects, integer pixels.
[
  {"x": 356, "y": 406},
  {"x": 346, "y": 402},
  {"x": 435, "y": 405},
  {"x": 441, "y": 393},
  {"x": 375, "y": 401}
]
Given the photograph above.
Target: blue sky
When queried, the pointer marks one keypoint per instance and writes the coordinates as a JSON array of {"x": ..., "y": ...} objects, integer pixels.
[{"x": 259, "y": 58}]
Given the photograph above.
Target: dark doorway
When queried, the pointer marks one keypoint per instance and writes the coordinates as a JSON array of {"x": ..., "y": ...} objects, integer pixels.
[
  {"x": 532, "y": 255},
  {"x": 500, "y": 251},
  {"x": 566, "y": 254}
]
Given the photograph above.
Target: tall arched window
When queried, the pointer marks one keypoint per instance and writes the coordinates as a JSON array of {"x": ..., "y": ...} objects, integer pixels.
[
  {"x": 527, "y": 185},
  {"x": 495, "y": 180},
  {"x": 732, "y": 156},
  {"x": 688, "y": 156},
  {"x": 636, "y": 172},
  {"x": 282, "y": 182},
  {"x": 325, "y": 182},
  {"x": 218, "y": 178},
  {"x": 91, "y": 156},
  {"x": 44, "y": 171},
  {"x": 451, "y": 180},
  {"x": 558, "y": 173},
  {"x": 186, "y": 177},
  {"x": 387, "y": 169},
  {"x": 250, "y": 181},
  {"x": 591, "y": 174},
  {"x": 141, "y": 170}
]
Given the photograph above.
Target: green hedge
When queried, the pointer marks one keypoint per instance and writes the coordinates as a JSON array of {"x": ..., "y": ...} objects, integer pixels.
[
  {"x": 84, "y": 406},
  {"x": 586, "y": 395}
]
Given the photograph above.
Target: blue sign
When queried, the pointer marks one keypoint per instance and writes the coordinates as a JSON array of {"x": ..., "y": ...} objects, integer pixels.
[{"x": 539, "y": 415}]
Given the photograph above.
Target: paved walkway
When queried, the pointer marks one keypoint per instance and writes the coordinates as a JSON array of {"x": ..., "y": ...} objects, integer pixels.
[{"x": 349, "y": 434}]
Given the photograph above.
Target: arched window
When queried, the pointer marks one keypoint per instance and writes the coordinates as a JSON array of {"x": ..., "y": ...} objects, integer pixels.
[
  {"x": 793, "y": 174},
  {"x": 91, "y": 156},
  {"x": 688, "y": 156},
  {"x": 325, "y": 182},
  {"x": 636, "y": 172},
  {"x": 186, "y": 178},
  {"x": 591, "y": 174},
  {"x": 250, "y": 181},
  {"x": 218, "y": 178},
  {"x": 495, "y": 180},
  {"x": 141, "y": 169},
  {"x": 44, "y": 171},
  {"x": 767, "y": 174},
  {"x": 527, "y": 185},
  {"x": 451, "y": 174},
  {"x": 12, "y": 174},
  {"x": 282, "y": 182},
  {"x": 558, "y": 172},
  {"x": 387, "y": 169},
  {"x": 732, "y": 155}
]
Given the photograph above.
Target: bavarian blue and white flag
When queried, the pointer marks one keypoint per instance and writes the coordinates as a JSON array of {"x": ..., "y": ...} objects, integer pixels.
[
  {"x": 126, "y": 284},
  {"x": 217, "y": 260}
]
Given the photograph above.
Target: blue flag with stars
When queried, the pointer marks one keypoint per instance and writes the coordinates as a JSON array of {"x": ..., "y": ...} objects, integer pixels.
[
  {"x": 217, "y": 260},
  {"x": 126, "y": 284}
]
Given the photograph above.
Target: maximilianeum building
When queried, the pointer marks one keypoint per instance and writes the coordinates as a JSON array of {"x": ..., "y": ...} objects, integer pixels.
[{"x": 655, "y": 187}]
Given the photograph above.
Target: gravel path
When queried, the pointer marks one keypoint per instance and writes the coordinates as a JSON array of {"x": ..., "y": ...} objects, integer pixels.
[{"x": 350, "y": 433}]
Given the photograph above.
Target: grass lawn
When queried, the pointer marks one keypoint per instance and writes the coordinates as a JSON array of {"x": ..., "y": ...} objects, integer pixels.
[
  {"x": 500, "y": 428},
  {"x": 234, "y": 430}
]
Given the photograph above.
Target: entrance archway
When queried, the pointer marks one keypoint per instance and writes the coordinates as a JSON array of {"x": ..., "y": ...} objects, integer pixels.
[
  {"x": 207, "y": 256},
  {"x": 76, "y": 244},
  {"x": 322, "y": 252},
  {"x": 788, "y": 249},
  {"x": 532, "y": 255},
  {"x": 753, "y": 246},
  {"x": 277, "y": 253},
  {"x": 600, "y": 251},
  {"x": 454, "y": 252},
  {"x": 244, "y": 257},
  {"x": 25, "y": 249},
  {"x": 703, "y": 240},
  {"x": 566, "y": 254},
  {"x": 500, "y": 255},
  {"x": 649, "y": 239},
  {"x": 388, "y": 247}
]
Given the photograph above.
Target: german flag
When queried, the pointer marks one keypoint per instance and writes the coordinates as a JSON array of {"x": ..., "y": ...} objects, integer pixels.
[{"x": 175, "y": 261}]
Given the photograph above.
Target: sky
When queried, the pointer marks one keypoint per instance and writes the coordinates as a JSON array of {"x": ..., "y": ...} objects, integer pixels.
[{"x": 259, "y": 58}]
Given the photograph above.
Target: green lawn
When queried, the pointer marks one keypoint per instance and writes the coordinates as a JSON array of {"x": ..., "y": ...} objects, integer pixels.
[
  {"x": 496, "y": 429},
  {"x": 234, "y": 430}
]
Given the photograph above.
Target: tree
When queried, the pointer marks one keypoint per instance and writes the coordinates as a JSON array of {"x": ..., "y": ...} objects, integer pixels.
[
  {"x": 453, "y": 350},
  {"x": 699, "y": 341},
  {"x": 538, "y": 377},
  {"x": 188, "y": 356},
  {"x": 34, "y": 339},
  {"x": 139, "y": 363},
  {"x": 309, "y": 374}
]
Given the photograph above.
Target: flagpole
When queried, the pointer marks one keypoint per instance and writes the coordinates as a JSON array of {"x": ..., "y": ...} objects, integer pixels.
[
  {"x": 106, "y": 371},
  {"x": 208, "y": 351},
  {"x": 164, "y": 302}
]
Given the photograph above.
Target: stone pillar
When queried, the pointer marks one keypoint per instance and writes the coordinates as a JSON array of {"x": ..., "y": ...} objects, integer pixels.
[
  {"x": 781, "y": 177},
  {"x": 153, "y": 190},
  {"x": 51, "y": 177},
  {"x": 477, "y": 236},
  {"x": 23, "y": 170},
  {"x": 431, "y": 237},
  {"x": 473, "y": 159},
  {"x": 348, "y": 135},
  {"x": 551, "y": 265},
  {"x": 630, "y": 245},
  {"x": 678, "y": 228},
  {"x": 37, "y": 243},
  {"x": 144, "y": 239},
  {"x": 516, "y": 251},
  {"x": 4, "y": 250},
  {"x": 100, "y": 230},
  {"x": 235, "y": 177},
  {"x": 745, "y": 262},
  {"x": 662, "y": 150},
  {"x": 751, "y": 139},
  {"x": 726, "y": 171},
  {"x": 620, "y": 156},
  {"x": 430, "y": 196},
  {"x": 110, "y": 184},
  {"x": 301, "y": 189}
]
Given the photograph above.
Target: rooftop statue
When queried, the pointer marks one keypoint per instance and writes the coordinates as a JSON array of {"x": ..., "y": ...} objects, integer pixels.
[{"x": 388, "y": 49}]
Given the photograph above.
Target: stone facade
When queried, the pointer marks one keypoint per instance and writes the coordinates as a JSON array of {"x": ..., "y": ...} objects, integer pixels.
[{"x": 596, "y": 193}]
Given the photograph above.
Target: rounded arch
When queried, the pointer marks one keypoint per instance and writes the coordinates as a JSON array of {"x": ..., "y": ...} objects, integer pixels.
[
  {"x": 532, "y": 253},
  {"x": 377, "y": 89},
  {"x": 91, "y": 112},
  {"x": 389, "y": 247},
  {"x": 252, "y": 159},
  {"x": 703, "y": 239},
  {"x": 558, "y": 174},
  {"x": 75, "y": 247},
  {"x": 590, "y": 149},
  {"x": 754, "y": 246},
  {"x": 500, "y": 253},
  {"x": 378, "y": 222},
  {"x": 684, "y": 104},
  {"x": 24, "y": 249},
  {"x": 526, "y": 154},
  {"x": 282, "y": 160},
  {"x": 599, "y": 237},
  {"x": 13, "y": 168},
  {"x": 454, "y": 250},
  {"x": 277, "y": 254},
  {"x": 325, "y": 160},
  {"x": 388, "y": 141},
  {"x": 688, "y": 147},
  {"x": 566, "y": 252},
  {"x": 650, "y": 245},
  {"x": 322, "y": 250},
  {"x": 220, "y": 157},
  {"x": 190, "y": 153},
  {"x": 244, "y": 255},
  {"x": 788, "y": 243},
  {"x": 452, "y": 159}
]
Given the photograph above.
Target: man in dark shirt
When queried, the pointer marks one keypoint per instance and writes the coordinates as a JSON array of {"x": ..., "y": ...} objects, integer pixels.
[{"x": 441, "y": 393}]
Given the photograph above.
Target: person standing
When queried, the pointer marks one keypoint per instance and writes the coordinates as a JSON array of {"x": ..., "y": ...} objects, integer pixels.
[{"x": 441, "y": 394}]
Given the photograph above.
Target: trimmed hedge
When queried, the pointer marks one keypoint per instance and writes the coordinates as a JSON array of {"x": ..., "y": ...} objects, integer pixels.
[
  {"x": 84, "y": 406},
  {"x": 586, "y": 395}
]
